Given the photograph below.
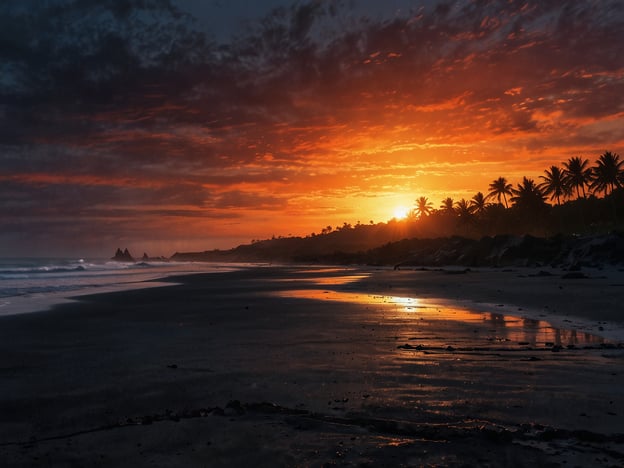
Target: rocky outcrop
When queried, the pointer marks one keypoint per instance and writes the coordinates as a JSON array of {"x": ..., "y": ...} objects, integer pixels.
[
  {"x": 504, "y": 250},
  {"x": 147, "y": 258},
  {"x": 590, "y": 251},
  {"x": 123, "y": 256}
]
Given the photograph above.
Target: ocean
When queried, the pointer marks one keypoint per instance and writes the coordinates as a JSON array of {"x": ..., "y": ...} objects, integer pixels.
[{"x": 34, "y": 284}]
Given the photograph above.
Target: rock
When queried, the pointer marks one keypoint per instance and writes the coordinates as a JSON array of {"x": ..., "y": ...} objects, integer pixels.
[
  {"x": 234, "y": 407},
  {"x": 544, "y": 273},
  {"x": 409, "y": 346},
  {"x": 146, "y": 258},
  {"x": 574, "y": 275},
  {"x": 123, "y": 256}
]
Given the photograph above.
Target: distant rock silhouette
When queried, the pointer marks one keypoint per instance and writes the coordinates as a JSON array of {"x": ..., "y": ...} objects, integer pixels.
[
  {"x": 147, "y": 258},
  {"x": 123, "y": 256}
]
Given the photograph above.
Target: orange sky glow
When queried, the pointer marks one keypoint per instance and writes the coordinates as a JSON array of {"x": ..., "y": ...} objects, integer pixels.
[{"x": 297, "y": 124}]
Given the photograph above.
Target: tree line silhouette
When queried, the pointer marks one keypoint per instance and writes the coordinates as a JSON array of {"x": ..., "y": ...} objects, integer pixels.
[{"x": 586, "y": 198}]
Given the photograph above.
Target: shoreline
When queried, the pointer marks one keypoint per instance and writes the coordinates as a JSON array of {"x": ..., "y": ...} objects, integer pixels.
[
  {"x": 514, "y": 292},
  {"x": 46, "y": 302},
  {"x": 39, "y": 291}
]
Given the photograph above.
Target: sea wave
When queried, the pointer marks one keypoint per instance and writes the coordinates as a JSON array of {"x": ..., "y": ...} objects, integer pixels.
[
  {"x": 23, "y": 279},
  {"x": 40, "y": 270},
  {"x": 25, "y": 291},
  {"x": 25, "y": 271}
]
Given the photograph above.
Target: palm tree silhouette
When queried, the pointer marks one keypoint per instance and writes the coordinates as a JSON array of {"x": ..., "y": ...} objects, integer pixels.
[
  {"x": 500, "y": 189},
  {"x": 478, "y": 204},
  {"x": 607, "y": 173},
  {"x": 423, "y": 207},
  {"x": 447, "y": 205},
  {"x": 555, "y": 184},
  {"x": 577, "y": 174},
  {"x": 528, "y": 195},
  {"x": 462, "y": 208}
]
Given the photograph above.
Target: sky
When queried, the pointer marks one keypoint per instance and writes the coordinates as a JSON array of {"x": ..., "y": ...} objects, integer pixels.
[{"x": 179, "y": 125}]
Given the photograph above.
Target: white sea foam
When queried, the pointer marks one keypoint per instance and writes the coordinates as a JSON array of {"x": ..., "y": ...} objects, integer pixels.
[{"x": 31, "y": 284}]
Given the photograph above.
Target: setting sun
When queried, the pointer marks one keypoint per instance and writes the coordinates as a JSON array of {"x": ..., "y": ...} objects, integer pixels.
[{"x": 400, "y": 212}]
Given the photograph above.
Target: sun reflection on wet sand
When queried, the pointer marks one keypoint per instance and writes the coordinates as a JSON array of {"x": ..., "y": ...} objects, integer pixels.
[
  {"x": 324, "y": 280},
  {"x": 402, "y": 357},
  {"x": 441, "y": 323}
]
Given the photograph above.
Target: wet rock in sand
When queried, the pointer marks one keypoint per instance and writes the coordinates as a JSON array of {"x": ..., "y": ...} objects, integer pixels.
[
  {"x": 575, "y": 275},
  {"x": 234, "y": 406}
]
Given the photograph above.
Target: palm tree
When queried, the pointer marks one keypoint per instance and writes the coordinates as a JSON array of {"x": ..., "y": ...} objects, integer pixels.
[
  {"x": 500, "y": 189},
  {"x": 528, "y": 195},
  {"x": 447, "y": 205},
  {"x": 478, "y": 204},
  {"x": 423, "y": 207},
  {"x": 577, "y": 174},
  {"x": 462, "y": 208},
  {"x": 555, "y": 184},
  {"x": 607, "y": 173}
]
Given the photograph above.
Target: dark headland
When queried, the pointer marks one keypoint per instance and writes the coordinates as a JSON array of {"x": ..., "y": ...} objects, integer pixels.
[{"x": 345, "y": 248}]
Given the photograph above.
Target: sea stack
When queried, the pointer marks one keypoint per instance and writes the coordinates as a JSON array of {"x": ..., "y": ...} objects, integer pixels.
[{"x": 123, "y": 256}]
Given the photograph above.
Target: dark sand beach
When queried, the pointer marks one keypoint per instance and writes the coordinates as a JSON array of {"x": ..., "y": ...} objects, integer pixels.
[{"x": 297, "y": 366}]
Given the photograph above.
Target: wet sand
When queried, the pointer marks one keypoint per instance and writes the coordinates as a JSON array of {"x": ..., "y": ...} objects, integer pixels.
[{"x": 294, "y": 366}]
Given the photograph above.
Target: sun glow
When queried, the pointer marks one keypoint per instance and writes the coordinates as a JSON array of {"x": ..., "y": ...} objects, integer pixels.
[{"x": 400, "y": 212}]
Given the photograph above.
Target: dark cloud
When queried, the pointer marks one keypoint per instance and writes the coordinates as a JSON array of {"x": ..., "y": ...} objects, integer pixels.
[
  {"x": 239, "y": 199},
  {"x": 49, "y": 197},
  {"x": 154, "y": 76}
]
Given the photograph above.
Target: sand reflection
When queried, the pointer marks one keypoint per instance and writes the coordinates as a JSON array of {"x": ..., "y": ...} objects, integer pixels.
[
  {"x": 445, "y": 322},
  {"x": 323, "y": 280}
]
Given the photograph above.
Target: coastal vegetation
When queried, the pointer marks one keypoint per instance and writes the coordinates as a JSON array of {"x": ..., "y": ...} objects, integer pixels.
[
  {"x": 574, "y": 198},
  {"x": 571, "y": 200}
]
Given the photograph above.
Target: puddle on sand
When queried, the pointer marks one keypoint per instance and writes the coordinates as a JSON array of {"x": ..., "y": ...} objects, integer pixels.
[{"x": 446, "y": 323}]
